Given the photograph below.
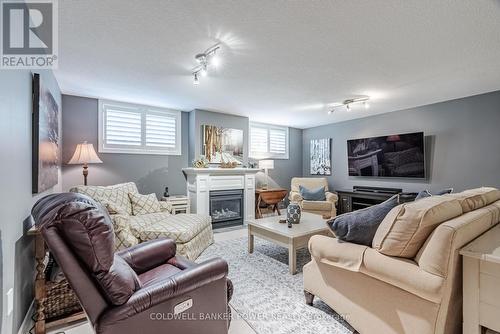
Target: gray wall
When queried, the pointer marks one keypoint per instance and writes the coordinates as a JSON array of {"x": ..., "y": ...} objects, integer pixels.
[
  {"x": 198, "y": 117},
  {"x": 462, "y": 139},
  {"x": 16, "y": 262},
  {"x": 151, "y": 173}
]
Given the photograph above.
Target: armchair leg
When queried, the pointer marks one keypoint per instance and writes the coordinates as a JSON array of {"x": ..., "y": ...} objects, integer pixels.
[{"x": 309, "y": 298}]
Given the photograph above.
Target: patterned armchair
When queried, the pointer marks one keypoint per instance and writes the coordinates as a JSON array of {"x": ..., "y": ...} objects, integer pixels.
[{"x": 192, "y": 233}]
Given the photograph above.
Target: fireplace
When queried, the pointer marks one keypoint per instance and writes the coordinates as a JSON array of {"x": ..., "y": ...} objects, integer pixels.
[{"x": 226, "y": 207}]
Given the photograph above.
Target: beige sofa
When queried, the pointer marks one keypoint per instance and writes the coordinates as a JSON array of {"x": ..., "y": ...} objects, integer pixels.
[
  {"x": 192, "y": 233},
  {"x": 415, "y": 294},
  {"x": 327, "y": 207}
]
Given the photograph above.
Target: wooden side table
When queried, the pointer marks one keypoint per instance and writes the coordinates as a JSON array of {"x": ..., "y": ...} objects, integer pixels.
[
  {"x": 481, "y": 282},
  {"x": 270, "y": 197},
  {"x": 41, "y": 256},
  {"x": 180, "y": 203}
]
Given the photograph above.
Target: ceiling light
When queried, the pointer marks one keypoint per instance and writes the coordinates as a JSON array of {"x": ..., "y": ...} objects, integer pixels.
[
  {"x": 215, "y": 61},
  {"x": 204, "y": 72},
  {"x": 205, "y": 60},
  {"x": 201, "y": 58},
  {"x": 349, "y": 102}
]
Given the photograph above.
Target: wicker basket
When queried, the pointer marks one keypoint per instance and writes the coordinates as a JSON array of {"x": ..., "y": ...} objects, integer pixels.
[{"x": 61, "y": 300}]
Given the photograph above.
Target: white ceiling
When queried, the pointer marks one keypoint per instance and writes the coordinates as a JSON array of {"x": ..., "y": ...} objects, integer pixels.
[{"x": 283, "y": 61}]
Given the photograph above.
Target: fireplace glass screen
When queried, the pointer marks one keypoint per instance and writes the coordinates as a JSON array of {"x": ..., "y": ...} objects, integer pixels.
[{"x": 226, "y": 207}]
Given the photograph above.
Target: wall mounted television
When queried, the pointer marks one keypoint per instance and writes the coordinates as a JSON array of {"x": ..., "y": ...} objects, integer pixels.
[{"x": 398, "y": 155}]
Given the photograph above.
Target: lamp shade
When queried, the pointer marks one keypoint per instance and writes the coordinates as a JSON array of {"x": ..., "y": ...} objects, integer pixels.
[
  {"x": 85, "y": 154},
  {"x": 266, "y": 164}
]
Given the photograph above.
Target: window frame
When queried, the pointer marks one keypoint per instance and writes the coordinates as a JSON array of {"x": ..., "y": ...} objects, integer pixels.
[
  {"x": 143, "y": 110},
  {"x": 268, "y": 154}
]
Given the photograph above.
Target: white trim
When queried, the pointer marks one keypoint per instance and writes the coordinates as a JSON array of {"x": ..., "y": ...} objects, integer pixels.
[
  {"x": 268, "y": 154},
  {"x": 143, "y": 110}
]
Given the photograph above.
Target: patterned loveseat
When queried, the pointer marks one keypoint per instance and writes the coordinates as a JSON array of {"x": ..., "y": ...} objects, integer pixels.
[{"x": 191, "y": 232}]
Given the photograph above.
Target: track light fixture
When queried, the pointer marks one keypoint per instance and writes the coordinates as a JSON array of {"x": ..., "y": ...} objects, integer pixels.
[
  {"x": 205, "y": 60},
  {"x": 349, "y": 102}
]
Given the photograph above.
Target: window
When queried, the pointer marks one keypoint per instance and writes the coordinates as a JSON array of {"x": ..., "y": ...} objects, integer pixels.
[
  {"x": 137, "y": 129},
  {"x": 268, "y": 141}
]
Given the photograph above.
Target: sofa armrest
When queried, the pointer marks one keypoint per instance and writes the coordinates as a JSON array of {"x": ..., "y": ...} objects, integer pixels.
[
  {"x": 165, "y": 207},
  {"x": 331, "y": 197},
  {"x": 295, "y": 197},
  {"x": 181, "y": 262},
  {"x": 404, "y": 274},
  {"x": 174, "y": 286},
  {"x": 332, "y": 251},
  {"x": 148, "y": 255}
]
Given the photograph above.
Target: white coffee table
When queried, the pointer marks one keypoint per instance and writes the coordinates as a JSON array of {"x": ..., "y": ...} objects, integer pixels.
[{"x": 293, "y": 238}]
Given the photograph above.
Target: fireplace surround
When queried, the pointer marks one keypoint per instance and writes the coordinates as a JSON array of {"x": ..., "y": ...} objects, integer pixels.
[{"x": 202, "y": 183}]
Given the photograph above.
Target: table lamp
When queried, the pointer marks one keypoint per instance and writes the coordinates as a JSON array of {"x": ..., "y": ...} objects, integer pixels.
[
  {"x": 85, "y": 154},
  {"x": 266, "y": 165}
]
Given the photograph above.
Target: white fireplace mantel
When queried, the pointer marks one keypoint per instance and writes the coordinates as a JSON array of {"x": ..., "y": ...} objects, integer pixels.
[{"x": 200, "y": 181}]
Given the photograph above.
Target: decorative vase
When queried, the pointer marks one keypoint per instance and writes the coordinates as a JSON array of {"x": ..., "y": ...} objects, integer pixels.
[{"x": 293, "y": 212}]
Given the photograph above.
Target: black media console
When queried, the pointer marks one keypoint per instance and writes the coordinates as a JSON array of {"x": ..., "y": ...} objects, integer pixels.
[{"x": 362, "y": 197}]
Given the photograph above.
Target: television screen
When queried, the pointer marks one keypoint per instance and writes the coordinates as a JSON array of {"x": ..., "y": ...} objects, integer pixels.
[{"x": 400, "y": 155}]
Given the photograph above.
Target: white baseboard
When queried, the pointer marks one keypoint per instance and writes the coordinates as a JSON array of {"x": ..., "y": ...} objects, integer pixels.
[{"x": 27, "y": 321}]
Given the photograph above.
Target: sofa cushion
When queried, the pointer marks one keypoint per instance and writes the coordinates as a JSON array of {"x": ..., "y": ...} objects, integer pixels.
[
  {"x": 181, "y": 228},
  {"x": 360, "y": 226},
  {"x": 317, "y": 205},
  {"x": 116, "y": 195},
  {"x": 315, "y": 194},
  {"x": 474, "y": 199},
  {"x": 406, "y": 227},
  {"x": 144, "y": 204}
]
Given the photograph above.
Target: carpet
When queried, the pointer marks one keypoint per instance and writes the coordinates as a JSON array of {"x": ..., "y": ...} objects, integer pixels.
[{"x": 266, "y": 296}]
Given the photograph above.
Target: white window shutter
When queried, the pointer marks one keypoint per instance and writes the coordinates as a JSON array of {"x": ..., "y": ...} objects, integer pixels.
[
  {"x": 138, "y": 129},
  {"x": 268, "y": 141},
  {"x": 258, "y": 140},
  {"x": 278, "y": 141},
  {"x": 161, "y": 130}
]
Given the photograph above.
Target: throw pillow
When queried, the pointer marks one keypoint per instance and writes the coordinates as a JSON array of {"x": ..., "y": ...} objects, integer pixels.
[
  {"x": 474, "y": 199},
  {"x": 114, "y": 209},
  {"x": 445, "y": 191},
  {"x": 144, "y": 204},
  {"x": 423, "y": 194},
  {"x": 360, "y": 226},
  {"x": 124, "y": 238},
  {"x": 406, "y": 227},
  {"x": 317, "y": 194}
]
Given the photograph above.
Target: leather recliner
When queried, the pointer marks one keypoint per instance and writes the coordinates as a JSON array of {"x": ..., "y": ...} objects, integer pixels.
[{"x": 143, "y": 289}]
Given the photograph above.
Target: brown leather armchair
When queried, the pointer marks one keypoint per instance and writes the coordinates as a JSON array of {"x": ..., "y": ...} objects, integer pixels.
[{"x": 143, "y": 289}]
